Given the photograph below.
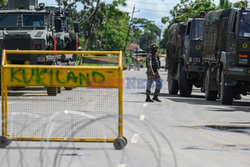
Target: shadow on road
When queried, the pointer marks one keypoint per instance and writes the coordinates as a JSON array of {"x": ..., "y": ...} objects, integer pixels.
[{"x": 243, "y": 106}]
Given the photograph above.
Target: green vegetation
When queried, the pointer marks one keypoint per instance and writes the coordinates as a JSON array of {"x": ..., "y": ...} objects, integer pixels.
[
  {"x": 145, "y": 32},
  {"x": 105, "y": 27},
  {"x": 4, "y": 3},
  {"x": 189, "y": 9}
]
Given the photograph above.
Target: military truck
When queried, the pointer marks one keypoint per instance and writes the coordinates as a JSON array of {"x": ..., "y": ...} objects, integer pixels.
[
  {"x": 25, "y": 25},
  {"x": 226, "y": 54},
  {"x": 185, "y": 68}
]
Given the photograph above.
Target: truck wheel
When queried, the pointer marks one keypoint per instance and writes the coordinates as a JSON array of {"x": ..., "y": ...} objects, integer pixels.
[
  {"x": 52, "y": 91},
  {"x": 172, "y": 86},
  {"x": 226, "y": 91},
  {"x": 185, "y": 84},
  {"x": 59, "y": 90},
  {"x": 209, "y": 95}
]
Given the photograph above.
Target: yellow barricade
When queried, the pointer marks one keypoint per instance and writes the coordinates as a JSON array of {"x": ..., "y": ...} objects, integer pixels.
[{"x": 101, "y": 83}]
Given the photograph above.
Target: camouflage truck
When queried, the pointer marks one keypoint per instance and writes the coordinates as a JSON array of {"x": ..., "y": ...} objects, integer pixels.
[
  {"x": 184, "y": 56},
  {"x": 25, "y": 25},
  {"x": 66, "y": 39},
  {"x": 226, "y": 54}
]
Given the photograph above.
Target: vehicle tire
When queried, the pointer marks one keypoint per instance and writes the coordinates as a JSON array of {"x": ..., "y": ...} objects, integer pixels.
[
  {"x": 68, "y": 88},
  {"x": 226, "y": 91},
  {"x": 209, "y": 95},
  {"x": 4, "y": 141},
  {"x": 59, "y": 90},
  {"x": 184, "y": 84},
  {"x": 172, "y": 86},
  {"x": 52, "y": 91},
  {"x": 119, "y": 143}
]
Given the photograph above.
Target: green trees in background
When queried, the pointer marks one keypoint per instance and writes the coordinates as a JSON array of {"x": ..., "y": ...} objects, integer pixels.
[
  {"x": 183, "y": 11},
  {"x": 240, "y": 4},
  {"x": 110, "y": 27},
  {"x": 104, "y": 25},
  {"x": 4, "y": 3},
  {"x": 145, "y": 32}
]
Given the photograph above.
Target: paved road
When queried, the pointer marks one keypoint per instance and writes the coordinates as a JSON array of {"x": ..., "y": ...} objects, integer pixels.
[{"x": 183, "y": 132}]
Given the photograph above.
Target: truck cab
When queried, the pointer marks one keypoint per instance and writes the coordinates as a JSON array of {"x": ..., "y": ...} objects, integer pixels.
[
  {"x": 191, "y": 69},
  {"x": 226, "y": 54},
  {"x": 26, "y": 30},
  {"x": 193, "y": 40}
]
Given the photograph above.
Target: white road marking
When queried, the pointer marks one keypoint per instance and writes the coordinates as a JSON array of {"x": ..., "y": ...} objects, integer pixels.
[
  {"x": 134, "y": 138},
  {"x": 10, "y": 102},
  {"x": 145, "y": 105},
  {"x": 142, "y": 117},
  {"x": 79, "y": 113},
  {"x": 122, "y": 165}
]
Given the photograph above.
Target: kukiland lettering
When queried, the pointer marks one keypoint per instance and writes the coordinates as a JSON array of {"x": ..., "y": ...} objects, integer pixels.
[
  {"x": 39, "y": 74},
  {"x": 50, "y": 76}
]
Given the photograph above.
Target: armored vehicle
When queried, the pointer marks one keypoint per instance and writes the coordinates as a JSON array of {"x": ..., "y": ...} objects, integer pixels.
[
  {"x": 226, "y": 54},
  {"x": 184, "y": 56},
  {"x": 65, "y": 39},
  {"x": 25, "y": 25}
]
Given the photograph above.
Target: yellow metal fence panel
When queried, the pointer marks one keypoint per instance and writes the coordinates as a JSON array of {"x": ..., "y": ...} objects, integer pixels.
[{"x": 91, "y": 112}]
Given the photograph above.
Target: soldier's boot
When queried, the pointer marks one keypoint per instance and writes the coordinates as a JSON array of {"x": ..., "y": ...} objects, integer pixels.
[
  {"x": 157, "y": 92},
  {"x": 155, "y": 98},
  {"x": 148, "y": 99}
]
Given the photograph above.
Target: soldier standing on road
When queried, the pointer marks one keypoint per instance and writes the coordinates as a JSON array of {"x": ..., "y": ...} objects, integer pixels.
[{"x": 153, "y": 65}]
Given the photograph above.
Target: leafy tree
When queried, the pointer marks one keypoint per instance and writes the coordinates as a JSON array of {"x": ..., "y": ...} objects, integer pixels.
[
  {"x": 146, "y": 32},
  {"x": 71, "y": 5},
  {"x": 240, "y": 4},
  {"x": 188, "y": 9},
  {"x": 4, "y": 3},
  {"x": 224, "y": 4},
  {"x": 103, "y": 26},
  {"x": 109, "y": 30},
  {"x": 183, "y": 11}
]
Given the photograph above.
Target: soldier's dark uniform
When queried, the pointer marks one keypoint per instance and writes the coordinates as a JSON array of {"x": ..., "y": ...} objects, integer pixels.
[{"x": 153, "y": 65}]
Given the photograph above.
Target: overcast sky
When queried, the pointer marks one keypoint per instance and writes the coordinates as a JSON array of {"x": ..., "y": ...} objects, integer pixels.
[{"x": 151, "y": 10}]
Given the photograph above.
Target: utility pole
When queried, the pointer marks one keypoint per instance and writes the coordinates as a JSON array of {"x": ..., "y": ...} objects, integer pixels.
[{"x": 130, "y": 22}]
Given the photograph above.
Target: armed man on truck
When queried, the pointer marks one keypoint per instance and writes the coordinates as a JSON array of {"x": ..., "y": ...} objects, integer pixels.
[{"x": 153, "y": 66}]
